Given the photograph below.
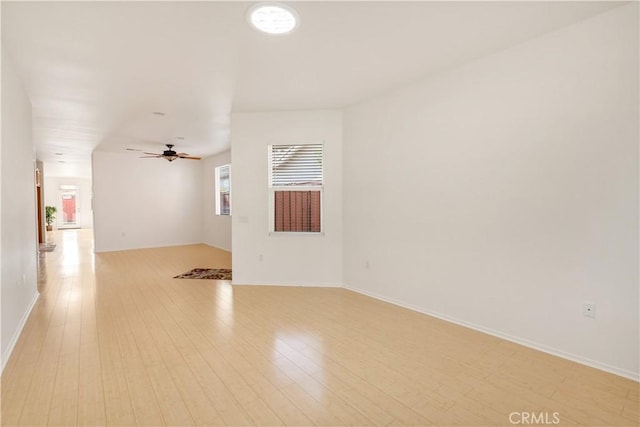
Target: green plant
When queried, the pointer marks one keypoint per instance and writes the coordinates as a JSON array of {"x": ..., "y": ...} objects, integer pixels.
[{"x": 50, "y": 214}]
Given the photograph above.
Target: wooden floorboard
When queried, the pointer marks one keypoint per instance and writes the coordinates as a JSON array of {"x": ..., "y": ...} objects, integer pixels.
[{"x": 115, "y": 340}]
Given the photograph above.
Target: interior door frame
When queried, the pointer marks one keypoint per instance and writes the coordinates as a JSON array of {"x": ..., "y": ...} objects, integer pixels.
[{"x": 39, "y": 206}]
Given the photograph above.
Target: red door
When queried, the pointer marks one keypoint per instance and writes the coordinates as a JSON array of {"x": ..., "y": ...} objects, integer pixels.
[{"x": 68, "y": 209}]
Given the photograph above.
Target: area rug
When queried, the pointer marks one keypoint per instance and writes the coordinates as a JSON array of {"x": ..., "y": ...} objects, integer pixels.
[
  {"x": 47, "y": 247},
  {"x": 206, "y": 273}
]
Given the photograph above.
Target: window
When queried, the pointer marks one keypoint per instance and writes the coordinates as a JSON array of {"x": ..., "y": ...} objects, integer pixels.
[
  {"x": 223, "y": 190},
  {"x": 295, "y": 181}
]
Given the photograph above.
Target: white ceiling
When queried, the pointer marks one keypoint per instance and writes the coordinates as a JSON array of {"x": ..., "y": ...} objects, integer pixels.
[{"x": 95, "y": 71}]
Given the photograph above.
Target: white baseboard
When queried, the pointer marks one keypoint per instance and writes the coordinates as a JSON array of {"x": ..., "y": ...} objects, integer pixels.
[
  {"x": 136, "y": 247},
  {"x": 14, "y": 339},
  {"x": 635, "y": 376},
  {"x": 299, "y": 284},
  {"x": 217, "y": 247}
]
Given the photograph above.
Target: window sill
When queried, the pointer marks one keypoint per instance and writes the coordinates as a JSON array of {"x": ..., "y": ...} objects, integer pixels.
[{"x": 295, "y": 233}]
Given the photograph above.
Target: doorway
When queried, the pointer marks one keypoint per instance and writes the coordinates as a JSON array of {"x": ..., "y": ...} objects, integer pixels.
[
  {"x": 39, "y": 206},
  {"x": 69, "y": 205}
]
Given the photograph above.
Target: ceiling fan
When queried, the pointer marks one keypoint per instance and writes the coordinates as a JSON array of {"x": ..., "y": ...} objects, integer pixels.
[{"x": 170, "y": 155}]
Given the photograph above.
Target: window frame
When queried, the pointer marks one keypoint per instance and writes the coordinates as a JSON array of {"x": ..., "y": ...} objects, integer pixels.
[
  {"x": 274, "y": 188},
  {"x": 218, "y": 193}
]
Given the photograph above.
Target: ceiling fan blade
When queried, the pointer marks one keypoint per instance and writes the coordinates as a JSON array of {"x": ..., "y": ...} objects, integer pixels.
[
  {"x": 190, "y": 157},
  {"x": 157, "y": 156},
  {"x": 151, "y": 154}
]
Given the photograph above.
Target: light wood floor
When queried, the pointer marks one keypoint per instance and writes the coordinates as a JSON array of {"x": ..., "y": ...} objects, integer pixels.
[{"x": 114, "y": 340}]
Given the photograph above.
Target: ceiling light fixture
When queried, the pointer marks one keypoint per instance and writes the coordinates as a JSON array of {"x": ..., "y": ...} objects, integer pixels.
[
  {"x": 158, "y": 113},
  {"x": 273, "y": 18}
]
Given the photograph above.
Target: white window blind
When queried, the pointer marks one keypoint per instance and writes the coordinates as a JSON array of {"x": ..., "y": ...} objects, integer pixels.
[{"x": 299, "y": 165}]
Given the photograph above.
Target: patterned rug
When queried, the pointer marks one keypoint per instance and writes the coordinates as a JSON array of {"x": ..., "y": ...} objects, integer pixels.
[
  {"x": 206, "y": 273},
  {"x": 47, "y": 247}
]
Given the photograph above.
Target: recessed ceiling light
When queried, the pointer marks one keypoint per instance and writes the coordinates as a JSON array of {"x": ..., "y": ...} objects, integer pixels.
[
  {"x": 158, "y": 113},
  {"x": 58, "y": 154},
  {"x": 61, "y": 161},
  {"x": 273, "y": 18},
  {"x": 180, "y": 137}
]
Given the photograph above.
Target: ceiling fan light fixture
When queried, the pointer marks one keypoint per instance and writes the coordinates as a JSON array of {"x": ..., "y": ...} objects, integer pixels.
[
  {"x": 273, "y": 18},
  {"x": 169, "y": 154}
]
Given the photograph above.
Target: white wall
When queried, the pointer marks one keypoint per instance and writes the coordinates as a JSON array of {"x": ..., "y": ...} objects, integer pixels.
[
  {"x": 504, "y": 193},
  {"x": 71, "y": 167},
  {"x": 141, "y": 203},
  {"x": 260, "y": 258},
  {"x": 52, "y": 197},
  {"x": 18, "y": 240},
  {"x": 216, "y": 229}
]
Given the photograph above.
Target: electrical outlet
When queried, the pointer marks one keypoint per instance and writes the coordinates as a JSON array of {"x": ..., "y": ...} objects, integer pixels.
[
  {"x": 367, "y": 265},
  {"x": 589, "y": 309}
]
